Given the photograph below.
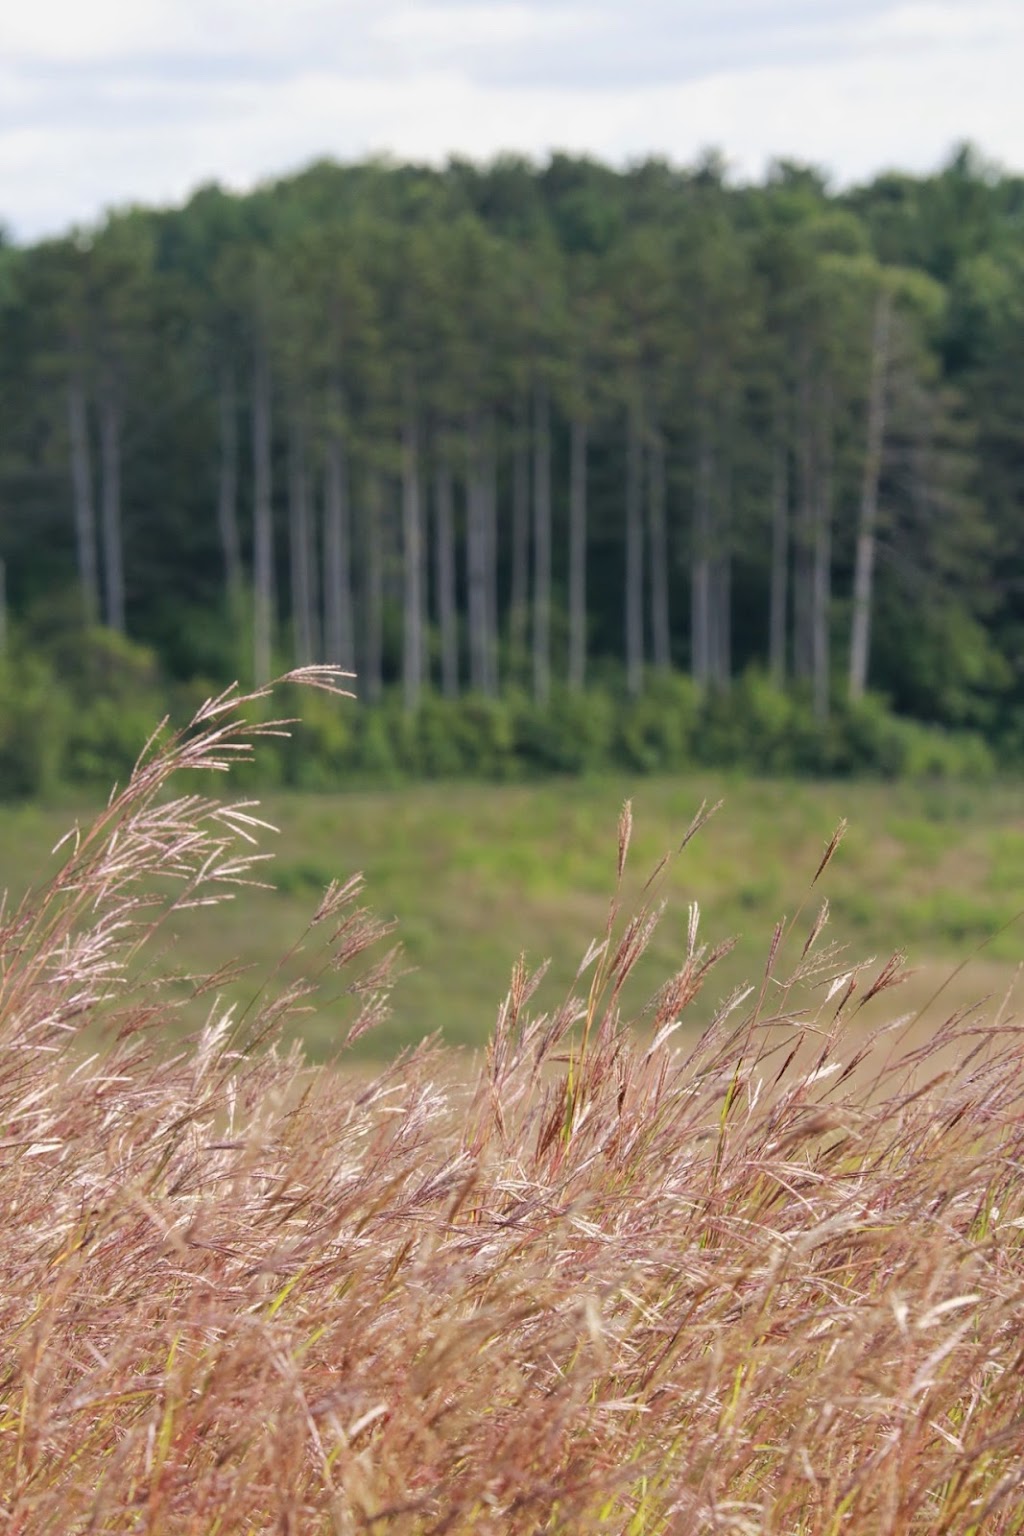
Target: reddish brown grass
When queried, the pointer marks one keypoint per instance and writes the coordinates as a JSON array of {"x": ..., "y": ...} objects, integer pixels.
[{"x": 772, "y": 1284}]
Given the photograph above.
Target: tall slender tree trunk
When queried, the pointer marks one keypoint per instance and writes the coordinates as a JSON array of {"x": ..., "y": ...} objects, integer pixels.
[
  {"x": 339, "y": 631},
  {"x": 822, "y": 572},
  {"x": 720, "y": 583},
  {"x": 519, "y": 590},
  {"x": 444, "y": 576},
  {"x": 300, "y": 530},
  {"x": 661, "y": 642},
  {"x": 263, "y": 521},
  {"x": 864, "y": 567},
  {"x": 779, "y": 603},
  {"x": 700, "y": 570},
  {"x": 489, "y": 492},
  {"x": 110, "y": 470},
  {"x": 577, "y": 553},
  {"x": 476, "y": 557},
  {"x": 413, "y": 653},
  {"x": 541, "y": 545},
  {"x": 803, "y": 565},
  {"x": 721, "y": 627},
  {"x": 634, "y": 593},
  {"x": 81, "y": 486},
  {"x": 227, "y": 490},
  {"x": 373, "y": 576}
]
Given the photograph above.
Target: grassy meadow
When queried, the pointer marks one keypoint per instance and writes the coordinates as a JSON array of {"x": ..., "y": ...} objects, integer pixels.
[
  {"x": 760, "y": 1273},
  {"x": 474, "y": 875}
]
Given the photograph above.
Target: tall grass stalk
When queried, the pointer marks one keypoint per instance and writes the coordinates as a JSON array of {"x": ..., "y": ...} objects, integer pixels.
[{"x": 770, "y": 1281}]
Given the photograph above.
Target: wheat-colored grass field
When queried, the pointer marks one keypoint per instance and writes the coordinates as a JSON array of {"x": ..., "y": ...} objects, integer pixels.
[{"x": 751, "y": 1267}]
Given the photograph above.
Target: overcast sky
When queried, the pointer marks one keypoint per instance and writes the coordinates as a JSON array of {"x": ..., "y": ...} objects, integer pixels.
[{"x": 110, "y": 101}]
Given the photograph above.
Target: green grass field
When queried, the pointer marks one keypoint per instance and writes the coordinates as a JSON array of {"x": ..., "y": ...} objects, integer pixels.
[{"x": 474, "y": 875}]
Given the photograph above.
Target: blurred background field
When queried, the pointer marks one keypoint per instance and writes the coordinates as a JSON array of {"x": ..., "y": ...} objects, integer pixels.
[{"x": 476, "y": 874}]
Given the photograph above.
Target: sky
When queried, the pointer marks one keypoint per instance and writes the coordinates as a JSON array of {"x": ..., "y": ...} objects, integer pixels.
[{"x": 107, "y": 102}]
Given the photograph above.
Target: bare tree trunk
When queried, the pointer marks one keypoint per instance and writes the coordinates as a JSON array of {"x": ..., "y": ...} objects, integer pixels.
[
  {"x": 822, "y": 576},
  {"x": 720, "y": 583},
  {"x": 577, "y": 554},
  {"x": 541, "y": 545},
  {"x": 339, "y": 632},
  {"x": 227, "y": 492},
  {"x": 300, "y": 538},
  {"x": 634, "y": 595},
  {"x": 661, "y": 649},
  {"x": 476, "y": 558},
  {"x": 81, "y": 485},
  {"x": 803, "y": 566},
  {"x": 489, "y": 492},
  {"x": 263, "y": 521},
  {"x": 864, "y": 568},
  {"x": 779, "y": 611},
  {"x": 700, "y": 570},
  {"x": 373, "y": 573},
  {"x": 412, "y": 565},
  {"x": 519, "y": 593},
  {"x": 444, "y": 553},
  {"x": 110, "y": 469},
  {"x": 721, "y": 631}
]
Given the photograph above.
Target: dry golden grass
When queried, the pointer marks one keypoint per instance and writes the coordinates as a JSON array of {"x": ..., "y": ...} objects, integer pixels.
[{"x": 769, "y": 1284}]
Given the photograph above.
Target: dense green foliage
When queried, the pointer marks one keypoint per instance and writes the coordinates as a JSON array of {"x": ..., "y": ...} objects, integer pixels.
[
  {"x": 516, "y": 444},
  {"x": 65, "y": 728}
]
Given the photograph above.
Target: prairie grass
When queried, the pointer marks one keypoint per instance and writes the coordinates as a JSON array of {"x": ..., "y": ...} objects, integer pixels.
[{"x": 770, "y": 1282}]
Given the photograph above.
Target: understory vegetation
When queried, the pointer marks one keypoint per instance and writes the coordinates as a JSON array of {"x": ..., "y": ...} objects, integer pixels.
[
  {"x": 73, "y": 714},
  {"x": 767, "y": 1282}
]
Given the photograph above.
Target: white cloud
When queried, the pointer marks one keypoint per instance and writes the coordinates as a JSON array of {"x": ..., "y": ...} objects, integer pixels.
[
  {"x": 65, "y": 32},
  {"x": 437, "y": 27},
  {"x": 116, "y": 102},
  {"x": 933, "y": 24}
]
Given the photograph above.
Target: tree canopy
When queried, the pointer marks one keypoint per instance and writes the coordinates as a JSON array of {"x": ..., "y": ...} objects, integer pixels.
[{"x": 531, "y": 425}]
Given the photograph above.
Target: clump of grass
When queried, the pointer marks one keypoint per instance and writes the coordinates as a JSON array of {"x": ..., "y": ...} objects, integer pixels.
[{"x": 772, "y": 1283}]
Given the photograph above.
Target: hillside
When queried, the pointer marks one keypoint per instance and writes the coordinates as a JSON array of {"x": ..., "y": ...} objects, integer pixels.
[{"x": 476, "y": 874}]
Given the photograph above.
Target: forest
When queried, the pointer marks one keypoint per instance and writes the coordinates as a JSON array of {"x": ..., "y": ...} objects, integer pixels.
[{"x": 559, "y": 459}]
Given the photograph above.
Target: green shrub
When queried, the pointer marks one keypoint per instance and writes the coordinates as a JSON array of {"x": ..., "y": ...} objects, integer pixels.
[
  {"x": 34, "y": 718},
  {"x": 104, "y": 739},
  {"x": 868, "y": 739},
  {"x": 572, "y": 734},
  {"x": 98, "y": 663},
  {"x": 934, "y": 753},
  {"x": 375, "y": 751},
  {"x": 321, "y": 749},
  {"x": 757, "y": 726},
  {"x": 485, "y": 732},
  {"x": 441, "y": 746},
  {"x": 658, "y": 731},
  {"x": 404, "y": 734}
]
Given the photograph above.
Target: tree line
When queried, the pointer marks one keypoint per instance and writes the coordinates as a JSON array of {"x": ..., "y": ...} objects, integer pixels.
[{"x": 534, "y": 427}]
